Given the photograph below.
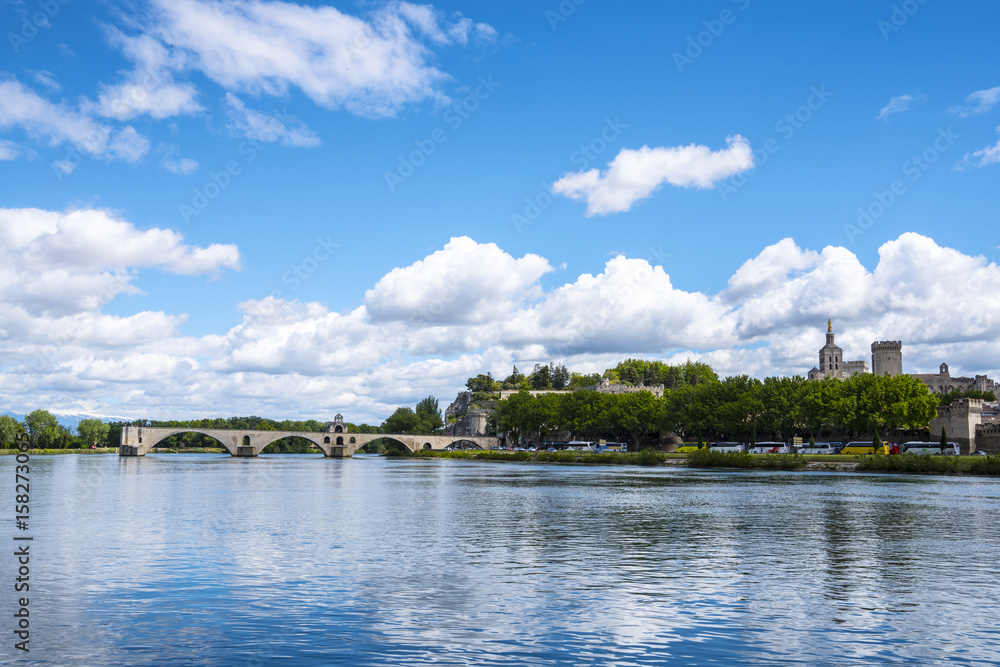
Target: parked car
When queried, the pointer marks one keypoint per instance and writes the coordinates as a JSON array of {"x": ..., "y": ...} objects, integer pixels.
[{"x": 979, "y": 452}]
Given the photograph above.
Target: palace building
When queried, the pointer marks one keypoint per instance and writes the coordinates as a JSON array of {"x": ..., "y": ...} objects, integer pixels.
[{"x": 887, "y": 360}]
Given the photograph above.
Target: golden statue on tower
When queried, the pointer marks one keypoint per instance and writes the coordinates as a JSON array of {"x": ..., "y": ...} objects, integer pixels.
[{"x": 829, "y": 326}]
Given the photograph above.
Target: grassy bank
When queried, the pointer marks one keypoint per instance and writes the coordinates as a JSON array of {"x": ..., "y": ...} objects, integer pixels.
[
  {"x": 114, "y": 450},
  {"x": 647, "y": 457},
  {"x": 704, "y": 458},
  {"x": 42, "y": 452},
  {"x": 928, "y": 463}
]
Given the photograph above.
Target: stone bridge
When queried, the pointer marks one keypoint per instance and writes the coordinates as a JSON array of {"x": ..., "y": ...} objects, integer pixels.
[{"x": 138, "y": 440}]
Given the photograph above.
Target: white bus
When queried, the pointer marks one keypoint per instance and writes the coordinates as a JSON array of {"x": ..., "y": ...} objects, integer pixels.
[
  {"x": 580, "y": 446},
  {"x": 919, "y": 447},
  {"x": 770, "y": 448},
  {"x": 820, "y": 448},
  {"x": 726, "y": 447}
]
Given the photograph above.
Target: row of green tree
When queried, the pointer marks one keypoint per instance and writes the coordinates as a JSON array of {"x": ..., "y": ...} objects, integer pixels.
[
  {"x": 630, "y": 371},
  {"x": 737, "y": 408},
  {"x": 44, "y": 431}
]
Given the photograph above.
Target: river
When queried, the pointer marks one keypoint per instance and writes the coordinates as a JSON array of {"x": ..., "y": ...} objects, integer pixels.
[{"x": 299, "y": 560}]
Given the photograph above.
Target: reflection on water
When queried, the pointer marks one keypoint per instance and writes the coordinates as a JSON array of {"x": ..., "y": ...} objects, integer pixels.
[{"x": 202, "y": 559}]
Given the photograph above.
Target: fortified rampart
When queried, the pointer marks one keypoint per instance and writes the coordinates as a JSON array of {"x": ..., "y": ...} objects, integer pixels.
[
  {"x": 959, "y": 421},
  {"x": 988, "y": 438}
]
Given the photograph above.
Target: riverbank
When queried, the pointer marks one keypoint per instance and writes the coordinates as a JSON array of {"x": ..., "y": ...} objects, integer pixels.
[
  {"x": 905, "y": 464},
  {"x": 45, "y": 452},
  {"x": 112, "y": 450}
]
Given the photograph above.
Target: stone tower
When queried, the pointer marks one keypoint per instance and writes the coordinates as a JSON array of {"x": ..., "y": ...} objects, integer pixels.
[
  {"x": 887, "y": 357},
  {"x": 831, "y": 357}
]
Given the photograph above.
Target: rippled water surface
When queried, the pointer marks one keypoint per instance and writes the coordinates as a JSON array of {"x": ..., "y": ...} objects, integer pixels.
[{"x": 300, "y": 560}]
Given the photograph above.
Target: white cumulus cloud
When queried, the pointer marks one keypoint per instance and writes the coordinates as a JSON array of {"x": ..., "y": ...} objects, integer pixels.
[
  {"x": 635, "y": 174},
  {"x": 464, "y": 282}
]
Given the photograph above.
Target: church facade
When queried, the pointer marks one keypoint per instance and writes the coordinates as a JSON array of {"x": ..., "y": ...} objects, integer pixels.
[{"x": 831, "y": 361}]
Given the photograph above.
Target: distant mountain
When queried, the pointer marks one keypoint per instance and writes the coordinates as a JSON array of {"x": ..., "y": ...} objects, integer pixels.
[{"x": 70, "y": 421}]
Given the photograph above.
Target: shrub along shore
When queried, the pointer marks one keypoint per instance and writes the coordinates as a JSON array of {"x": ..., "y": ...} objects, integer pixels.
[{"x": 900, "y": 463}]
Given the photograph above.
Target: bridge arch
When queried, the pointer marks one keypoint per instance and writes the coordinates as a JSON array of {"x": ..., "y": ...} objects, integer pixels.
[
  {"x": 153, "y": 437},
  {"x": 323, "y": 444},
  {"x": 466, "y": 441}
]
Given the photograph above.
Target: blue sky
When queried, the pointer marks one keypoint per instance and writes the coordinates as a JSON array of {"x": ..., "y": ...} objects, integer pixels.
[{"x": 298, "y": 209}]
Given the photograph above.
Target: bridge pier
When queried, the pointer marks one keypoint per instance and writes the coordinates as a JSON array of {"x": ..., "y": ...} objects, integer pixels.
[{"x": 339, "y": 453}]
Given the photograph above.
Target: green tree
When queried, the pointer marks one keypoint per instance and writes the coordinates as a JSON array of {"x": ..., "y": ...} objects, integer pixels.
[
  {"x": 817, "y": 403},
  {"x": 41, "y": 426},
  {"x": 780, "y": 399},
  {"x": 515, "y": 381},
  {"x": 429, "y": 414},
  {"x": 93, "y": 432},
  {"x": 560, "y": 377},
  {"x": 484, "y": 384},
  {"x": 880, "y": 405},
  {"x": 403, "y": 420},
  {"x": 541, "y": 378},
  {"x": 8, "y": 431},
  {"x": 635, "y": 415},
  {"x": 579, "y": 380}
]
